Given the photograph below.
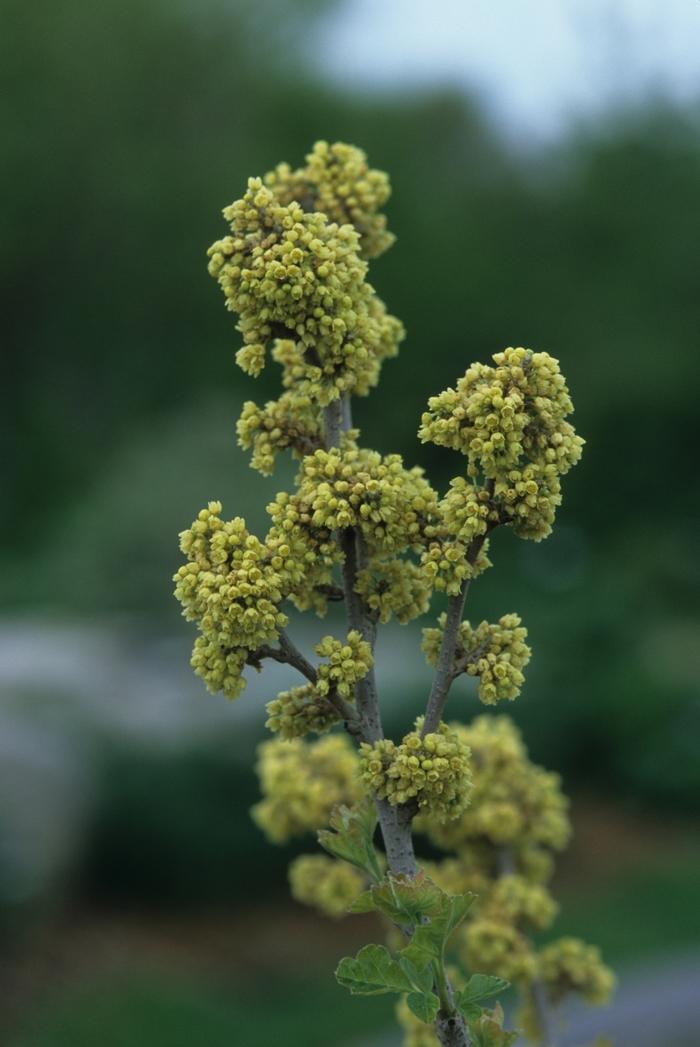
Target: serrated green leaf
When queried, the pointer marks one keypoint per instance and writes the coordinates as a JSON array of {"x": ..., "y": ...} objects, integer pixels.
[
  {"x": 429, "y": 939},
  {"x": 404, "y": 900},
  {"x": 420, "y": 978},
  {"x": 372, "y": 972},
  {"x": 351, "y": 836},
  {"x": 424, "y": 1005},
  {"x": 425, "y": 946},
  {"x": 363, "y": 903},
  {"x": 481, "y": 987},
  {"x": 461, "y": 904}
]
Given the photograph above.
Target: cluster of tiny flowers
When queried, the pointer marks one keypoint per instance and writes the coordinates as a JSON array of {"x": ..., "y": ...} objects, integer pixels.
[
  {"x": 345, "y": 662},
  {"x": 514, "y": 899},
  {"x": 494, "y": 946},
  {"x": 375, "y": 493},
  {"x": 292, "y": 421},
  {"x": 465, "y": 511},
  {"x": 446, "y": 564},
  {"x": 232, "y": 589},
  {"x": 309, "y": 708},
  {"x": 337, "y": 181},
  {"x": 528, "y": 498},
  {"x": 460, "y": 875},
  {"x": 433, "y": 770},
  {"x": 324, "y": 883},
  {"x": 506, "y": 419},
  {"x": 394, "y": 589},
  {"x": 570, "y": 965},
  {"x": 513, "y": 802},
  {"x": 307, "y": 554},
  {"x": 292, "y": 274},
  {"x": 301, "y": 782},
  {"x": 300, "y": 711},
  {"x": 495, "y": 653}
]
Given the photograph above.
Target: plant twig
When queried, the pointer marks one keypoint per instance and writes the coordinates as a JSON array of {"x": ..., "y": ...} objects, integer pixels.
[
  {"x": 289, "y": 654},
  {"x": 445, "y": 670},
  {"x": 395, "y": 821}
]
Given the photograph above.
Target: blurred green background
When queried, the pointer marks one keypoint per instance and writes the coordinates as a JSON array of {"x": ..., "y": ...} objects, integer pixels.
[{"x": 138, "y": 904}]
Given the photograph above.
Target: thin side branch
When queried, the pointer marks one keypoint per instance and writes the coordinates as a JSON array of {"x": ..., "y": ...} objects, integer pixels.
[
  {"x": 445, "y": 668},
  {"x": 288, "y": 654}
]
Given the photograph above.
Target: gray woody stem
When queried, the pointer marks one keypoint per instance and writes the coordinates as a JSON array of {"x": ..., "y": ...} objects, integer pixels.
[
  {"x": 444, "y": 671},
  {"x": 395, "y": 822}
]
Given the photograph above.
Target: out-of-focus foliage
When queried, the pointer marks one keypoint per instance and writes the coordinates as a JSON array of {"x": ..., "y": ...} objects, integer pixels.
[{"x": 125, "y": 125}]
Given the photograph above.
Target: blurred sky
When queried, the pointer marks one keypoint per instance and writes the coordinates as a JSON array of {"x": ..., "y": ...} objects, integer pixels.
[{"x": 536, "y": 63}]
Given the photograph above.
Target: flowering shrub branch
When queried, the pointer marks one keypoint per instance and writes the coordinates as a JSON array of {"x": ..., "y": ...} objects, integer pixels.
[{"x": 363, "y": 529}]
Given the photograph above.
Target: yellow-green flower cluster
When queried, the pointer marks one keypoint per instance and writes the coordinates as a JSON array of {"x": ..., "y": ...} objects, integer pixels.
[
  {"x": 495, "y": 946},
  {"x": 497, "y": 416},
  {"x": 434, "y": 770},
  {"x": 232, "y": 588},
  {"x": 495, "y": 653},
  {"x": 306, "y": 554},
  {"x": 455, "y": 547},
  {"x": 220, "y": 667},
  {"x": 337, "y": 181},
  {"x": 300, "y": 711},
  {"x": 394, "y": 589},
  {"x": 324, "y": 883},
  {"x": 465, "y": 511},
  {"x": 513, "y": 802},
  {"x": 375, "y": 493},
  {"x": 346, "y": 662},
  {"x": 301, "y": 782},
  {"x": 310, "y": 708},
  {"x": 514, "y": 899},
  {"x": 510, "y": 422},
  {"x": 459, "y": 875},
  {"x": 528, "y": 499},
  {"x": 292, "y": 274},
  {"x": 292, "y": 421},
  {"x": 570, "y": 965},
  {"x": 446, "y": 564}
]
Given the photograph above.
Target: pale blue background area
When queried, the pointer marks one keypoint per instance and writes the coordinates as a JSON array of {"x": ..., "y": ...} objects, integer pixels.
[{"x": 536, "y": 63}]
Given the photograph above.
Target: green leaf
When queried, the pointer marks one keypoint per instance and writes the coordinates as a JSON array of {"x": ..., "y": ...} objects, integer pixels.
[
  {"x": 404, "y": 900},
  {"x": 424, "y": 1005},
  {"x": 425, "y": 946},
  {"x": 429, "y": 939},
  {"x": 351, "y": 837},
  {"x": 471, "y": 1011},
  {"x": 481, "y": 987},
  {"x": 372, "y": 972},
  {"x": 420, "y": 978},
  {"x": 488, "y": 1031}
]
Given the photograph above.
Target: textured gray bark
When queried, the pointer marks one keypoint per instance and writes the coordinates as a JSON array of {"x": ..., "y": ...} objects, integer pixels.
[
  {"x": 394, "y": 821},
  {"x": 444, "y": 671}
]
